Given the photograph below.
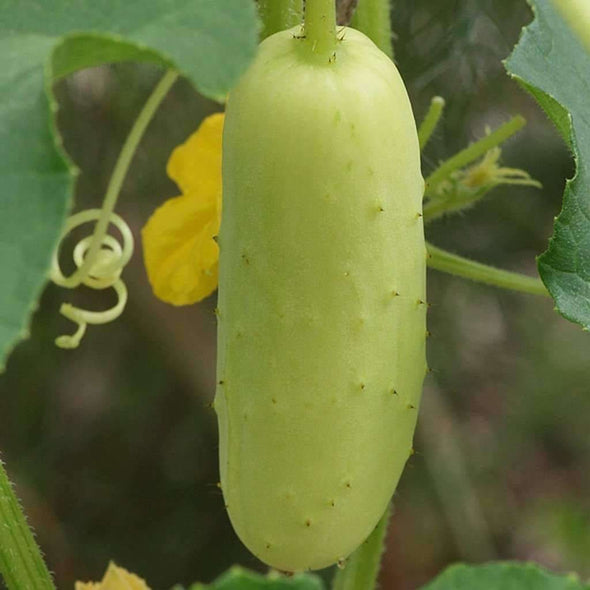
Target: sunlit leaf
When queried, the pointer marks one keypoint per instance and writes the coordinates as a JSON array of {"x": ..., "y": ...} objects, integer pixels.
[
  {"x": 240, "y": 579},
  {"x": 503, "y": 576},
  {"x": 553, "y": 65},
  {"x": 210, "y": 42}
]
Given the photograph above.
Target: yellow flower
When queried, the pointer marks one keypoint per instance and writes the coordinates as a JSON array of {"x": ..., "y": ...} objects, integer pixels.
[
  {"x": 179, "y": 247},
  {"x": 487, "y": 173},
  {"x": 115, "y": 578}
]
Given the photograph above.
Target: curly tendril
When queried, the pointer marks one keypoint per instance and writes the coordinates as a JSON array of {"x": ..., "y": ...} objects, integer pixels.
[
  {"x": 100, "y": 258},
  {"x": 100, "y": 269}
]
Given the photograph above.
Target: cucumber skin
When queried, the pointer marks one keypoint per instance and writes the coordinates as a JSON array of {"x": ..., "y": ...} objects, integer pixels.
[
  {"x": 321, "y": 305},
  {"x": 577, "y": 14}
]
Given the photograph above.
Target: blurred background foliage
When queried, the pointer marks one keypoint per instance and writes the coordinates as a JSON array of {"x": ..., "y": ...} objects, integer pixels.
[{"x": 113, "y": 447}]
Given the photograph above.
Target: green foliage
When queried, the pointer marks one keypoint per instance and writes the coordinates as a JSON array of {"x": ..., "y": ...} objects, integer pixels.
[
  {"x": 44, "y": 41},
  {"x": 507, "y": 576},
  {"x": 240, "y": 579},
  {"x": 552, "y": 64}
]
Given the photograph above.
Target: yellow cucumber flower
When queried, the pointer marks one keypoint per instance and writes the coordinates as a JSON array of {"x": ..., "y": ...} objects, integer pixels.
[
  {"x": 179, "y": 247},
  {"x": 488, "y": 173},
  {"x": 115, "y": 578}
]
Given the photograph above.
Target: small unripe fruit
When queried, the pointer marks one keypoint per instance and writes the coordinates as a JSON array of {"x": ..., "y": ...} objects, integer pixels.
[{"x": 321, "y": 342}]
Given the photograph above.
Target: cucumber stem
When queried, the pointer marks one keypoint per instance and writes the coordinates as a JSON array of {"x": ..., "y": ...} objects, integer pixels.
[
  {"x": 476, "y": 271},
  {"x": 430, "y": 121},
  {"x": 362, "y": 567},
  {"x": 320, "y": 26},
  {"x": 442, "y": 439},
  {"x": 372, "y": 18},
  {"x": 277, "y": 15}
]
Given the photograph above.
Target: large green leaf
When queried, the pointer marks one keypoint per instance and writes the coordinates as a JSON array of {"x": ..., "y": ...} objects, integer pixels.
[
  {"x": 240, "y": 579},
  {"x": 552, "y": 64},
  {"x": 503, "y": 576},
  {"x": 209, "y": 41}
]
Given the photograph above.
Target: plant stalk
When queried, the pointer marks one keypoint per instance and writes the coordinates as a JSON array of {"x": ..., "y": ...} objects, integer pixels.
[
  {"x": 372, "y": 18},
  {"x": 476, "y": 271},
  {"x": 430, "y": 121},
  {"x": 21, "y": 563},
  {"x": 444, "y": 454},
  {"x": 119, "y": 173},
  {"x": 277, "y": 15},
  {"x": 320, "y": 26},
  {"x": 362, "y": 568}
]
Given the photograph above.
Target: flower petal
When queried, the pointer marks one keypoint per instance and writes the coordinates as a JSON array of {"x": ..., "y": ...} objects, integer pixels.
[
  {"x": 180, "y": 253},
  {"x": 115, "y": 578},
  {"x": 195, "y": 165}
]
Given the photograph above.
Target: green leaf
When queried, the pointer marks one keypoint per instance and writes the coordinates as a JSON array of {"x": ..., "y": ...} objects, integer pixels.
[
  {"x": 503, "y": 576},
  {"x": 210, "y": 42},
  {"x": 552, "y": 64},
  {"x": 240, "y": 579}
]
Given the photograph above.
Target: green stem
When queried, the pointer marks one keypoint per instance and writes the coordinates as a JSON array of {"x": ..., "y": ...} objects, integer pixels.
[
  {"x": 476, "y": 271},
  {"x": 320, "y": 26},
  {"x": 436, "y": 208},
  {"x": 372, "y": 18},
  {"x": 473, "y": 152},
  {"x": 119, "y": 173},
  {"x": 444, "y": 454},
  {"x": 362, "y": 568},
  {"x": 277, "y": 15},
  {"x": 430, "y": 121},
  {"x": 21, "y": 563}
]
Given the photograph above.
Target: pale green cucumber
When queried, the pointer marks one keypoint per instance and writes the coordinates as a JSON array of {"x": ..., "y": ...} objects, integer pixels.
[
  {"x": 577, "y": 14},
  {"x": 321, "y": 339}
]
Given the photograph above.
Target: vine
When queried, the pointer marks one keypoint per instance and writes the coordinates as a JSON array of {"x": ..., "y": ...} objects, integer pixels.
[{"x": 100, "y": 258}]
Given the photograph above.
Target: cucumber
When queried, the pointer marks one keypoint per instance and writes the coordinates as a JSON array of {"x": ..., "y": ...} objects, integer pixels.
[
  {"x": 321, "y": 306},
  {"x": 577, "y": 14}
]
